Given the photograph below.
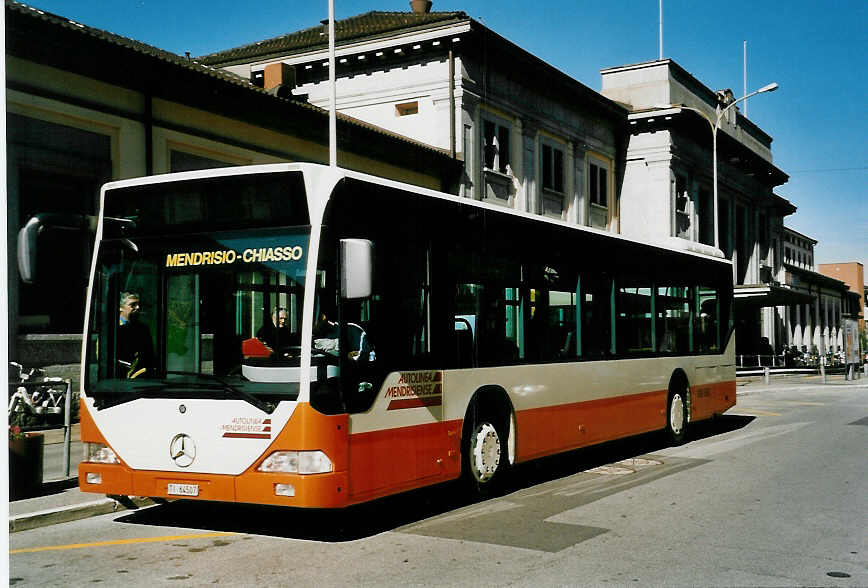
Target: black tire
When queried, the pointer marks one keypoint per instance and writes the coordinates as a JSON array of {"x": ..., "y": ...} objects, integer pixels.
[
  {"x": 676, "y": 416},
  {"x": 484, "y": 453}
]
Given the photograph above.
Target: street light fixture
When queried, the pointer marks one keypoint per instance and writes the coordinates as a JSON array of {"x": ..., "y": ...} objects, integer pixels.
[{"x": 715, "y": 125}]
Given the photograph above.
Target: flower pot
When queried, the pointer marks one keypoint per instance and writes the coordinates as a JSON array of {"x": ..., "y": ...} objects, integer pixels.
[{"x": 25, "y": 466}]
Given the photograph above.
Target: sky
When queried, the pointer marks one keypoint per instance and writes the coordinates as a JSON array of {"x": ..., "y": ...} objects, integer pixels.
[{"x": 816, "y": 51}]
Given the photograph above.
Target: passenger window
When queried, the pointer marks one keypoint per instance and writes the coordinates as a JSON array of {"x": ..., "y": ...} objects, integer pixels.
[
  {"x": 552, "y": 326},
  {"x": 707, "y": 320},
  {"x": 595, "y": 300},
  {"x": 634, "y": 324},
  {"x": 673, "y": 319}
]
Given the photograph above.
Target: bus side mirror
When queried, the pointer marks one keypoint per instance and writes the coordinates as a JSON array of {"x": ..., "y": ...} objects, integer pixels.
[
  {"x": 357, "y": 268},
  {"x": 27, "y": 249},
  {"x": 29, "y": 234}
]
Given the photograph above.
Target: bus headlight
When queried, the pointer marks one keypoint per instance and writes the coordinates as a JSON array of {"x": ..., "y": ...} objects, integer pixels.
[
  {"x": 297, "y": 462},
  {"x": 99, "y": 453}
]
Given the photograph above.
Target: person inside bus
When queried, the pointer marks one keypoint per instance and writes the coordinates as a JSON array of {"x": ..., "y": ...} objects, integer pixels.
[
  {"x": 326, "y": 335},
  {"x": 135, "y": 348},
  {"x": 276, "y": 334},
  {"x": 495, "y": 348}
]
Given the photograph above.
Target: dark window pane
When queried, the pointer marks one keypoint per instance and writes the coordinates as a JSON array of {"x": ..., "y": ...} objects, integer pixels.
[
  {"x": 547, "y": 179},
  {"x": 503, "y": 147},
  {"x": 593, "y": 186},
  {"x": 559, "y": 170},
  {"x": 604, "y": 187}
]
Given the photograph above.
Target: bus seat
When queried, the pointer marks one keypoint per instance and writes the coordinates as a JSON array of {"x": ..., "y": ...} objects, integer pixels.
[{"x": 253, "y": 347}]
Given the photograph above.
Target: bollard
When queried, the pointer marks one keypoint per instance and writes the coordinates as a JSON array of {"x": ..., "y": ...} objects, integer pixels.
[
  {"x": 823, "y": 371},
  {"x": 766, "y": 374},
  {"x": 67, "y": 427}
]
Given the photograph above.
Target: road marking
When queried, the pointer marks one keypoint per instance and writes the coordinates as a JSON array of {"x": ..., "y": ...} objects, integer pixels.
[
  {"x": 118, "y": 542},
  {"x": 758, "y": 412}
]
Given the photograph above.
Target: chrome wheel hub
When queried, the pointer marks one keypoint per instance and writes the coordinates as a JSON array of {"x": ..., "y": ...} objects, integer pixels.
[
  {"x": 676, "y": 414},
  {"x": 484, "y": 452}
]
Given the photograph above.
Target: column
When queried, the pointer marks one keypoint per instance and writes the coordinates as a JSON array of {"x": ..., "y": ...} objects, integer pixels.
[{"x": 530, "y": 164}]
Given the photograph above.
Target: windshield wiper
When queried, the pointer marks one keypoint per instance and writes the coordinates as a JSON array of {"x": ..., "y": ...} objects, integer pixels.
[{"x": 266, "y": 407}]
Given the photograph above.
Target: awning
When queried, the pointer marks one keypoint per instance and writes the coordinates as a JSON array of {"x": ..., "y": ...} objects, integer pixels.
[{"x": 762, "y": 295}]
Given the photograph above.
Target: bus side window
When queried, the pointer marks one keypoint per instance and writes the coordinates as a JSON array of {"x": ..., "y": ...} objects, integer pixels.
[
  {"x": 672, "y": 307},
  {"x": 464, "y": 353},
  {"x": 596, "y": 307},
  {"x": 467, "y": 321},
  {"x": 707, "y": 319}
]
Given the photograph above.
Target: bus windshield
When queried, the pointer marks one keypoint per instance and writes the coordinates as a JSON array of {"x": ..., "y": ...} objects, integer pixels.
[{"x": 184, "y": 315}]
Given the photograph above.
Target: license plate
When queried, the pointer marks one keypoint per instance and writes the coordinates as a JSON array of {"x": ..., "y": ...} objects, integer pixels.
[{"x": 184, "y": 489}]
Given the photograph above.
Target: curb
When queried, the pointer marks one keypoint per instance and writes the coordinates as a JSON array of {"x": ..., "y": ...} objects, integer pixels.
[{"x": 75, "y": 512}]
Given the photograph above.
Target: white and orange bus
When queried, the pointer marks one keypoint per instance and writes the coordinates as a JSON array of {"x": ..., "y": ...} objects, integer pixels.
[{"x": 315, "y": 337}]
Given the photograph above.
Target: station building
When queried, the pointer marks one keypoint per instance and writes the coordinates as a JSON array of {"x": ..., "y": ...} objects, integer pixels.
[
  {"x": 85, "y": 106},
  {"x": 536, "y": 140}
]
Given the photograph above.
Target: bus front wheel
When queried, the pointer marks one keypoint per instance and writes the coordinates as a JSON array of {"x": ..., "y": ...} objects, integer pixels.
[{"x": 485, "y": 458}]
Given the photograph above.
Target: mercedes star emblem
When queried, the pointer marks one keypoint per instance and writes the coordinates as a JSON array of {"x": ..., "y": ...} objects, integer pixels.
[{"x": 182, "y": 449}]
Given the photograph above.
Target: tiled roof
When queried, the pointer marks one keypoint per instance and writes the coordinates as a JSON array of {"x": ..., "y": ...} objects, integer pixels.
[
  {"x": 195, "y": 65},
  {"x": 368, "y": 25},
  {"x": 124, "y": 42}
]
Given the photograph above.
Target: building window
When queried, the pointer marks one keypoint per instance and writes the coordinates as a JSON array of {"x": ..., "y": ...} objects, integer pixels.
[
  {"x": 552, "y": 168},
  {"x": 682, "y": 207},
  {"x": 599, "y": 185},
  {"x": 58, "y": 168},
  {"x": 598, "y": 192},
  {"x": 407, "y": 108},
  {"x": 495, "y": 149}
]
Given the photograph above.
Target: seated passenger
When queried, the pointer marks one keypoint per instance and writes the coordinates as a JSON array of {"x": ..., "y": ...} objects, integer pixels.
[{"x": 276, "y": 334}]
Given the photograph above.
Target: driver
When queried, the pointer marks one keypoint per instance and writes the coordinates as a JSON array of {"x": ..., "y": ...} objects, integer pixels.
[{"x": 135, "y": 347}]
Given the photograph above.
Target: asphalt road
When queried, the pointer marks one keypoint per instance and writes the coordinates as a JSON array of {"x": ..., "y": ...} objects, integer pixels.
[{"x": 775, "y": 493}]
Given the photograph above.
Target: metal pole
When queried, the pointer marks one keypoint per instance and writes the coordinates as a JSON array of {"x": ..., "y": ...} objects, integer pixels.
[
  {"x": 333, "y": 124},
  {"x": 766, "y": 374},
  {"x": 714, "y": 175},
  {"x": 660, "y": 20},
  {"x": 744, "y": 76},
  {"x": 67, "y": 427}
]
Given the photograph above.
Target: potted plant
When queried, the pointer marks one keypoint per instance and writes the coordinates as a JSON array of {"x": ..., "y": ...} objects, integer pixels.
[{"x": 25, "y": 463}]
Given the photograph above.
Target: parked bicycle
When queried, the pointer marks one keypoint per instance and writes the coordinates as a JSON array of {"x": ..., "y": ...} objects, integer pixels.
[{"x": 34, "y": 399}]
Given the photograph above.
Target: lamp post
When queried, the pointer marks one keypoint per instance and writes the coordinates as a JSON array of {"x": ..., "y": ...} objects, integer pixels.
[{"x": 715, "y": 125}]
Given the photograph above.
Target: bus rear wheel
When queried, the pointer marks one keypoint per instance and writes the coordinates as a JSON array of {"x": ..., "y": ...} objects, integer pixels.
[{"x": 676, "y": 417}]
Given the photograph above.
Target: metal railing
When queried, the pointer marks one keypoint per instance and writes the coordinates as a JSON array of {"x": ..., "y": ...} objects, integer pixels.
[{"x": 767, "y": 366}]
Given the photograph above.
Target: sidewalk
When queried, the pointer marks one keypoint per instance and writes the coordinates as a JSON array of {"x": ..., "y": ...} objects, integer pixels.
[{"x": 62, "y": 501}]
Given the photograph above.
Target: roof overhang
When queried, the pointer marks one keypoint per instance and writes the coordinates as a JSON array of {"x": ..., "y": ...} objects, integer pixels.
[
  {"x": 688, "y": 122},
  {"x": 356, "y": 47},
  {"x": 752, "y": 296}
]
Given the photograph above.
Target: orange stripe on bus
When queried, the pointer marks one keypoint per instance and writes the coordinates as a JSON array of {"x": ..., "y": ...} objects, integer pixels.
[
  {"x": 397, "y": 459},
  {"x": 551, "y": 429}
]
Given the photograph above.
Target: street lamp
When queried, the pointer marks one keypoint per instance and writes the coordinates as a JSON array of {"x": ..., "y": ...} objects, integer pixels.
[{"x": 715, "y": 125}]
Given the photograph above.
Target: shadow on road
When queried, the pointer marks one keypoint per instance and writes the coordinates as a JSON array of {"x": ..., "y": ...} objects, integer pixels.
[{"x": 386, "y": 514}]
